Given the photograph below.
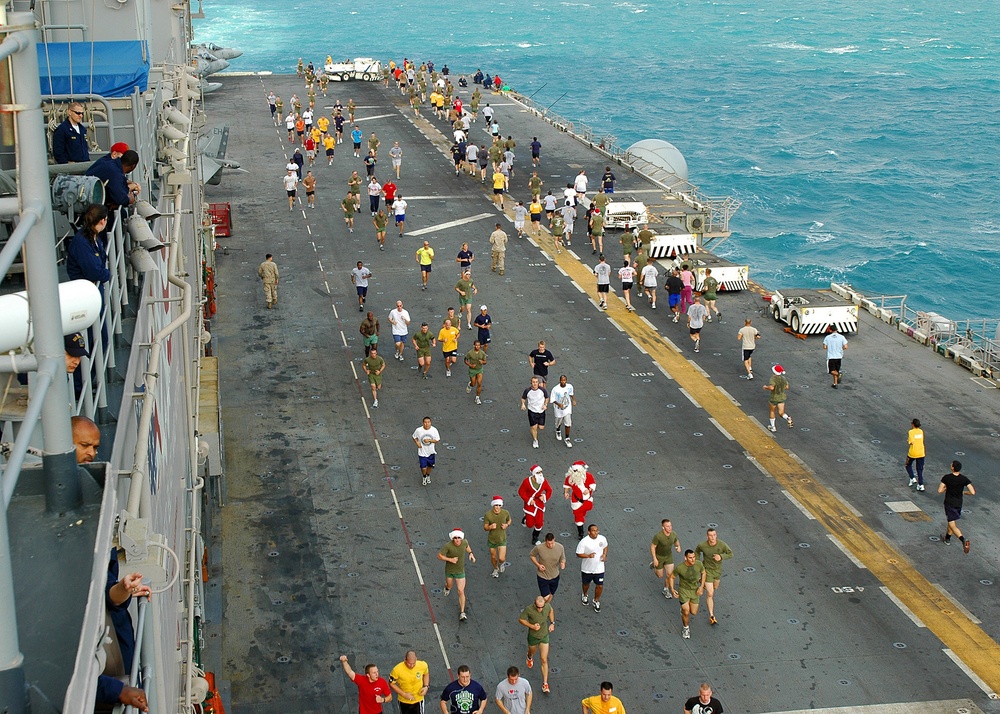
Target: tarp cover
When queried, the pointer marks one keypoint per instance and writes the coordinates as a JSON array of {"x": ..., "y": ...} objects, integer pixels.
[{"x": 110, "y": 69}]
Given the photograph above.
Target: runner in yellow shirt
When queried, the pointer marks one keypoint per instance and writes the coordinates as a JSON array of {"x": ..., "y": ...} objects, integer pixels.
[
  {"x": 425, "y": 256},
  {"x": 410, "y": 680},
  {"x": 448, "y": 337}
]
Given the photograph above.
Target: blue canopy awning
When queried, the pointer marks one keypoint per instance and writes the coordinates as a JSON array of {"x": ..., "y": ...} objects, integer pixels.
[{"x": 110, "y": 69}]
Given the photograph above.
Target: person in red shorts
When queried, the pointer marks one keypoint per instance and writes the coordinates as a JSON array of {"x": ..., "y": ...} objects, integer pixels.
[
  {"x": 535, "y": 491},
  {"x": 373, "y": 691}
]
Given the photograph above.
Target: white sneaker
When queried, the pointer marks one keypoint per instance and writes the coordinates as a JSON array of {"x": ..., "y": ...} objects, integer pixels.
[
  {"x": 709, "y": 318},
  {"x": 666, "y": 593},
  {"x": 686, "y": 633},
  {"x": 534, "y": 444},
  {"x": 913, "y": 481},
  {"x": 447, "y": 373},
  {"x": 675, "y": 318},
  {"x": 468, "y": 388},
  {"x": 496, "y": 572},
  {"x": 772, "y": 427},
  {"x": 584, "y": 600},
  {"x": 569, "y": 444},
  {"x": 375, "y": 404},
  {"x": 559, "y": 438},
  {"x": 478, "y": 400},
  {"x": 503, "y": 566},
  {"x": 920, "y": 487},
  {"x": 750, "y": 375}
]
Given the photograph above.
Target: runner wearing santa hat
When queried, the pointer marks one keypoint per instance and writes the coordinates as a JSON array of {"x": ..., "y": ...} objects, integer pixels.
[
  {"x": 535, "y": 491},
  {"x": 579, "y": 488},
  {"x": 496, "y": 522},
  {"x": 778, "y": 387},
  {"x": 453, "y": 554}
]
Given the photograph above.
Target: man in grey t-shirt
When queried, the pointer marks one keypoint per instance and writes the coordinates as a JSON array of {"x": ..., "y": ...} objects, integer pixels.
[
  {"x": 603, "y": 272},
  {"x": 748, "y": 337},
  {"x": 550, "y": 560},
  {"x": 513, "y": 694},
  {"x": 696, "y": 315}
]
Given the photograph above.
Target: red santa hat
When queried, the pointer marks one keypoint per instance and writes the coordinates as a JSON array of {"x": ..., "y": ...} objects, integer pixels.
[
  {"x": 536, "y": 470},
  {"x": 581, "y": 464},
  {"x": 778, "y": 369},
  {"x": 457, "y": 533},
  {"x": 497, "y": 501}
]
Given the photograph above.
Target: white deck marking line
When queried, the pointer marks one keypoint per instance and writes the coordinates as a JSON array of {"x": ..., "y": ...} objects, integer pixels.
[
  {"x": 672, "y": 344},
  {"x": 416, "y": 565},
  {"x": 757, "y": 464},
  {"x": 636, "y": 344},
  {"x": 381, "y": 460},
  {"x": 343, "y": 339},
  {"x": 847, "y": 504},
  {"x": 665, "y": 372},
  {"x": 729, "y": 396},
  {"x": 899, "y": 603},
  {"x": 451, "y": 224},
  {"x": 577, "y": 286},
  {"x": 720, "y": 428},
  {"x": 759, "y": 423},
  {"x": 444, "y": 653},
  {"x": 799, "y": 506},
  {"x": 957, "y": 604},
  {"x": 649, "y": 324},
  {"x": 309, "y": 230},
  {"x": 545, "y": 255},
  {"x": 368, "y": 414},
  {"x": 395, "y": 502},
  {"x": 573, "y": 253},
  {"x": 321, "y": 266},
  {"x": 327, "y": 286},
  {"x": 431, "y": 198},
  {"x": 689, "y": 397},
  {"x": 843, "y": 549},
  {"x": 377, "y": 116},
  {"x": 335, "y": 313},
  {"x": 970, "y": 674},
  {"x": 565, "y": 274},
  {"x": 699, "y": 369}
]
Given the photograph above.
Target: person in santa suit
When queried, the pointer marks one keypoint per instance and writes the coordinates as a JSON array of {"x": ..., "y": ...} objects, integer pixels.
[
  {"x": 579, "y": 488},
  {"x": 535, "y": 491}
]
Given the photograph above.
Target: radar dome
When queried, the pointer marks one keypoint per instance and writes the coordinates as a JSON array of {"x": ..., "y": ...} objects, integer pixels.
[{"x": 661, "y": 154}]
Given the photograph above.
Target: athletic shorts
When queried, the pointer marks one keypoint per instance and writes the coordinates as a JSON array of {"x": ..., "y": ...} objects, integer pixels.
[
  {"x": 400, "y": 218},
  {"x": 536, "y": 418},
  {"x": 497, "y": 191},
  {"x": 595, "y": 578},
  {"x": 475, "y": 373},
  {"x": 397, "y": 162},
  {"x": 449, "y": 353},
  {"x": 493, "y": 546},
  {"x": 673, "y": 299},
  {"x": 375, "y": 379},
  {"x": 538, "y": 638},
  {"x": 547, "y": 587},
  {"x": 536, "y": 217},
  {"x": 425, "y": 268},
  {"x": 952, "y": 514},
  {"x": 684, "y": 596},
  {"x": 519, "y": 224},
  {"x": 566, "y": 420},
  {"x": 456, "y": 576},
  {"x": 362, "y": 291},
  {"x": 424, "y": 352},
  {"x": 603, "y": 287},
  {"x": 357, "y": 145},
  {"x": 311, "y": 153},
  {"x": 399, "y": 338},
  {"x": 371, "y": 340},
  {"x": 833, "y": 365},
  {"x": 626, "y": 287},
  {"x": 329, "y": 152},
  {"x": 310, "y": 193},
  {"x": 427, "y": 462},
  {"x": 694, "y": 330},
  {"x": 463, "y": 301},
  {"x": 291, "y": 194}
]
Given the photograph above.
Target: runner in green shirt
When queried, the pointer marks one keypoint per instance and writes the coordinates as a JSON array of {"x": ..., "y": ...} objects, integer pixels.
[
  {"x": 453, "y": 554},
  {"x": 423, "y": 340},
  {"x": 710, "y": 294},
  {"x": 712, "y": 552},
  {"x": 349, "y": 205},
  {"x": 380, "y": 221},
  {"x": 778, "y": 387},
  {"x": 496, "y": 522},
  {"x": 540, "y": 619},
  {"x": 660, "y": 550},
  {"x": 474, "y": 360},
  {"x": 691, "y": 575},
  {"x": 374, "y": 365},
  {"x": 466, "y": 288}
]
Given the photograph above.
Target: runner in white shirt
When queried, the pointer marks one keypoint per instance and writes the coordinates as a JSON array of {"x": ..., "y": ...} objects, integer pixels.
[
  {"x": 520, "y": 213},
  {"x": 649, "y": 275},
  {"x": 399, "y": 319},
  {"x": 549, "y": 203},
  {"x": 563, "y": 399},
  {"x": 425, "y": 436},
  {"x": 399, "y": 211},
  {"x": 359, "y": 277},
  {"x": 593, "y": 550},
  {"x": 603, "y": 272},
  {"x": 627, "y": 274},
  {"x": 580, "y": 184},
  {"x": 291, "y": 182}
]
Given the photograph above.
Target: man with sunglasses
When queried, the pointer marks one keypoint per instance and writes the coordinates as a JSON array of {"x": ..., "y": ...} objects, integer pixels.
[{"x": 69, "y": 140}]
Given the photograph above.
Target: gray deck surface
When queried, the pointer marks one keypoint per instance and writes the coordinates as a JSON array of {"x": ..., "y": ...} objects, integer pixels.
[{"x": 316, "y": 560}]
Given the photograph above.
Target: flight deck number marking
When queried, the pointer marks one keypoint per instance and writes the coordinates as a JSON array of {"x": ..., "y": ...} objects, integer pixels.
[
  {"x": 642, "y": 374},
  {"x": 847, "y": 589}
]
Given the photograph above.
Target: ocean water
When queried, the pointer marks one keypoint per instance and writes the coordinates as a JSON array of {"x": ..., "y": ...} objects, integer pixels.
[{"x": 862, "y": 137}]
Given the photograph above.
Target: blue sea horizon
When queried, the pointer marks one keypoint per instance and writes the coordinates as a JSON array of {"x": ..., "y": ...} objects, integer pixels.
[{"x": 862, "y": 138}]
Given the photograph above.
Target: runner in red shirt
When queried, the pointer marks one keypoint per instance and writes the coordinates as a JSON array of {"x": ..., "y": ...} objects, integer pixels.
[
  {"x": 373, "y": 691},
  {"x": 389, "y": 190}
]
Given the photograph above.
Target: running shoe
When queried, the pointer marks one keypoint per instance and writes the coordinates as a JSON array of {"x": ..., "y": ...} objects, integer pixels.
[
  {"x": 503, "y": 566},
  {"x": 750, "y": 375},
  {"x": 558, "y": 436},
  {"x": 468, "y": 388},
  {"x": 545, "y": 688},
  {"x": 530, "y": 661},
  {"x": 772, "y": 427},
  {"x": 478, "y": 400},
  {"x": 496, "y": 572},
  {"x": 597, "y": 606},
  {"x": 375, "y": 404},
  {"x": 569, "y": 444},
  {"x": 712, "y": 620},
  {"x": 534, "y": 444},
  {"x": 920, "y": 487},
  {"x": 427, "y": 481},
  {"x": 666, "y": 593},
  {"x": 966, "y": 545},
  {"x": 447, "y": 592},
  {"x": 447, "y": 373},
  {"x": 790, "y": 424},
  {"x": 462, "y": 617},
  {"x": 686, "y": 633},
  {"x": 913, "y": 481},
  {"x": 584, "y": 599}
]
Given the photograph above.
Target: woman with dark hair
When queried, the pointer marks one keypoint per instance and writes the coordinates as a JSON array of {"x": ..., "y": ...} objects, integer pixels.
[{"x": 87, "y": 257}]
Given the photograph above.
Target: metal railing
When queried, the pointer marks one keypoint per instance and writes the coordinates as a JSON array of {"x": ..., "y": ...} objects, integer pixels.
[{"x": 718, "y": 209}]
